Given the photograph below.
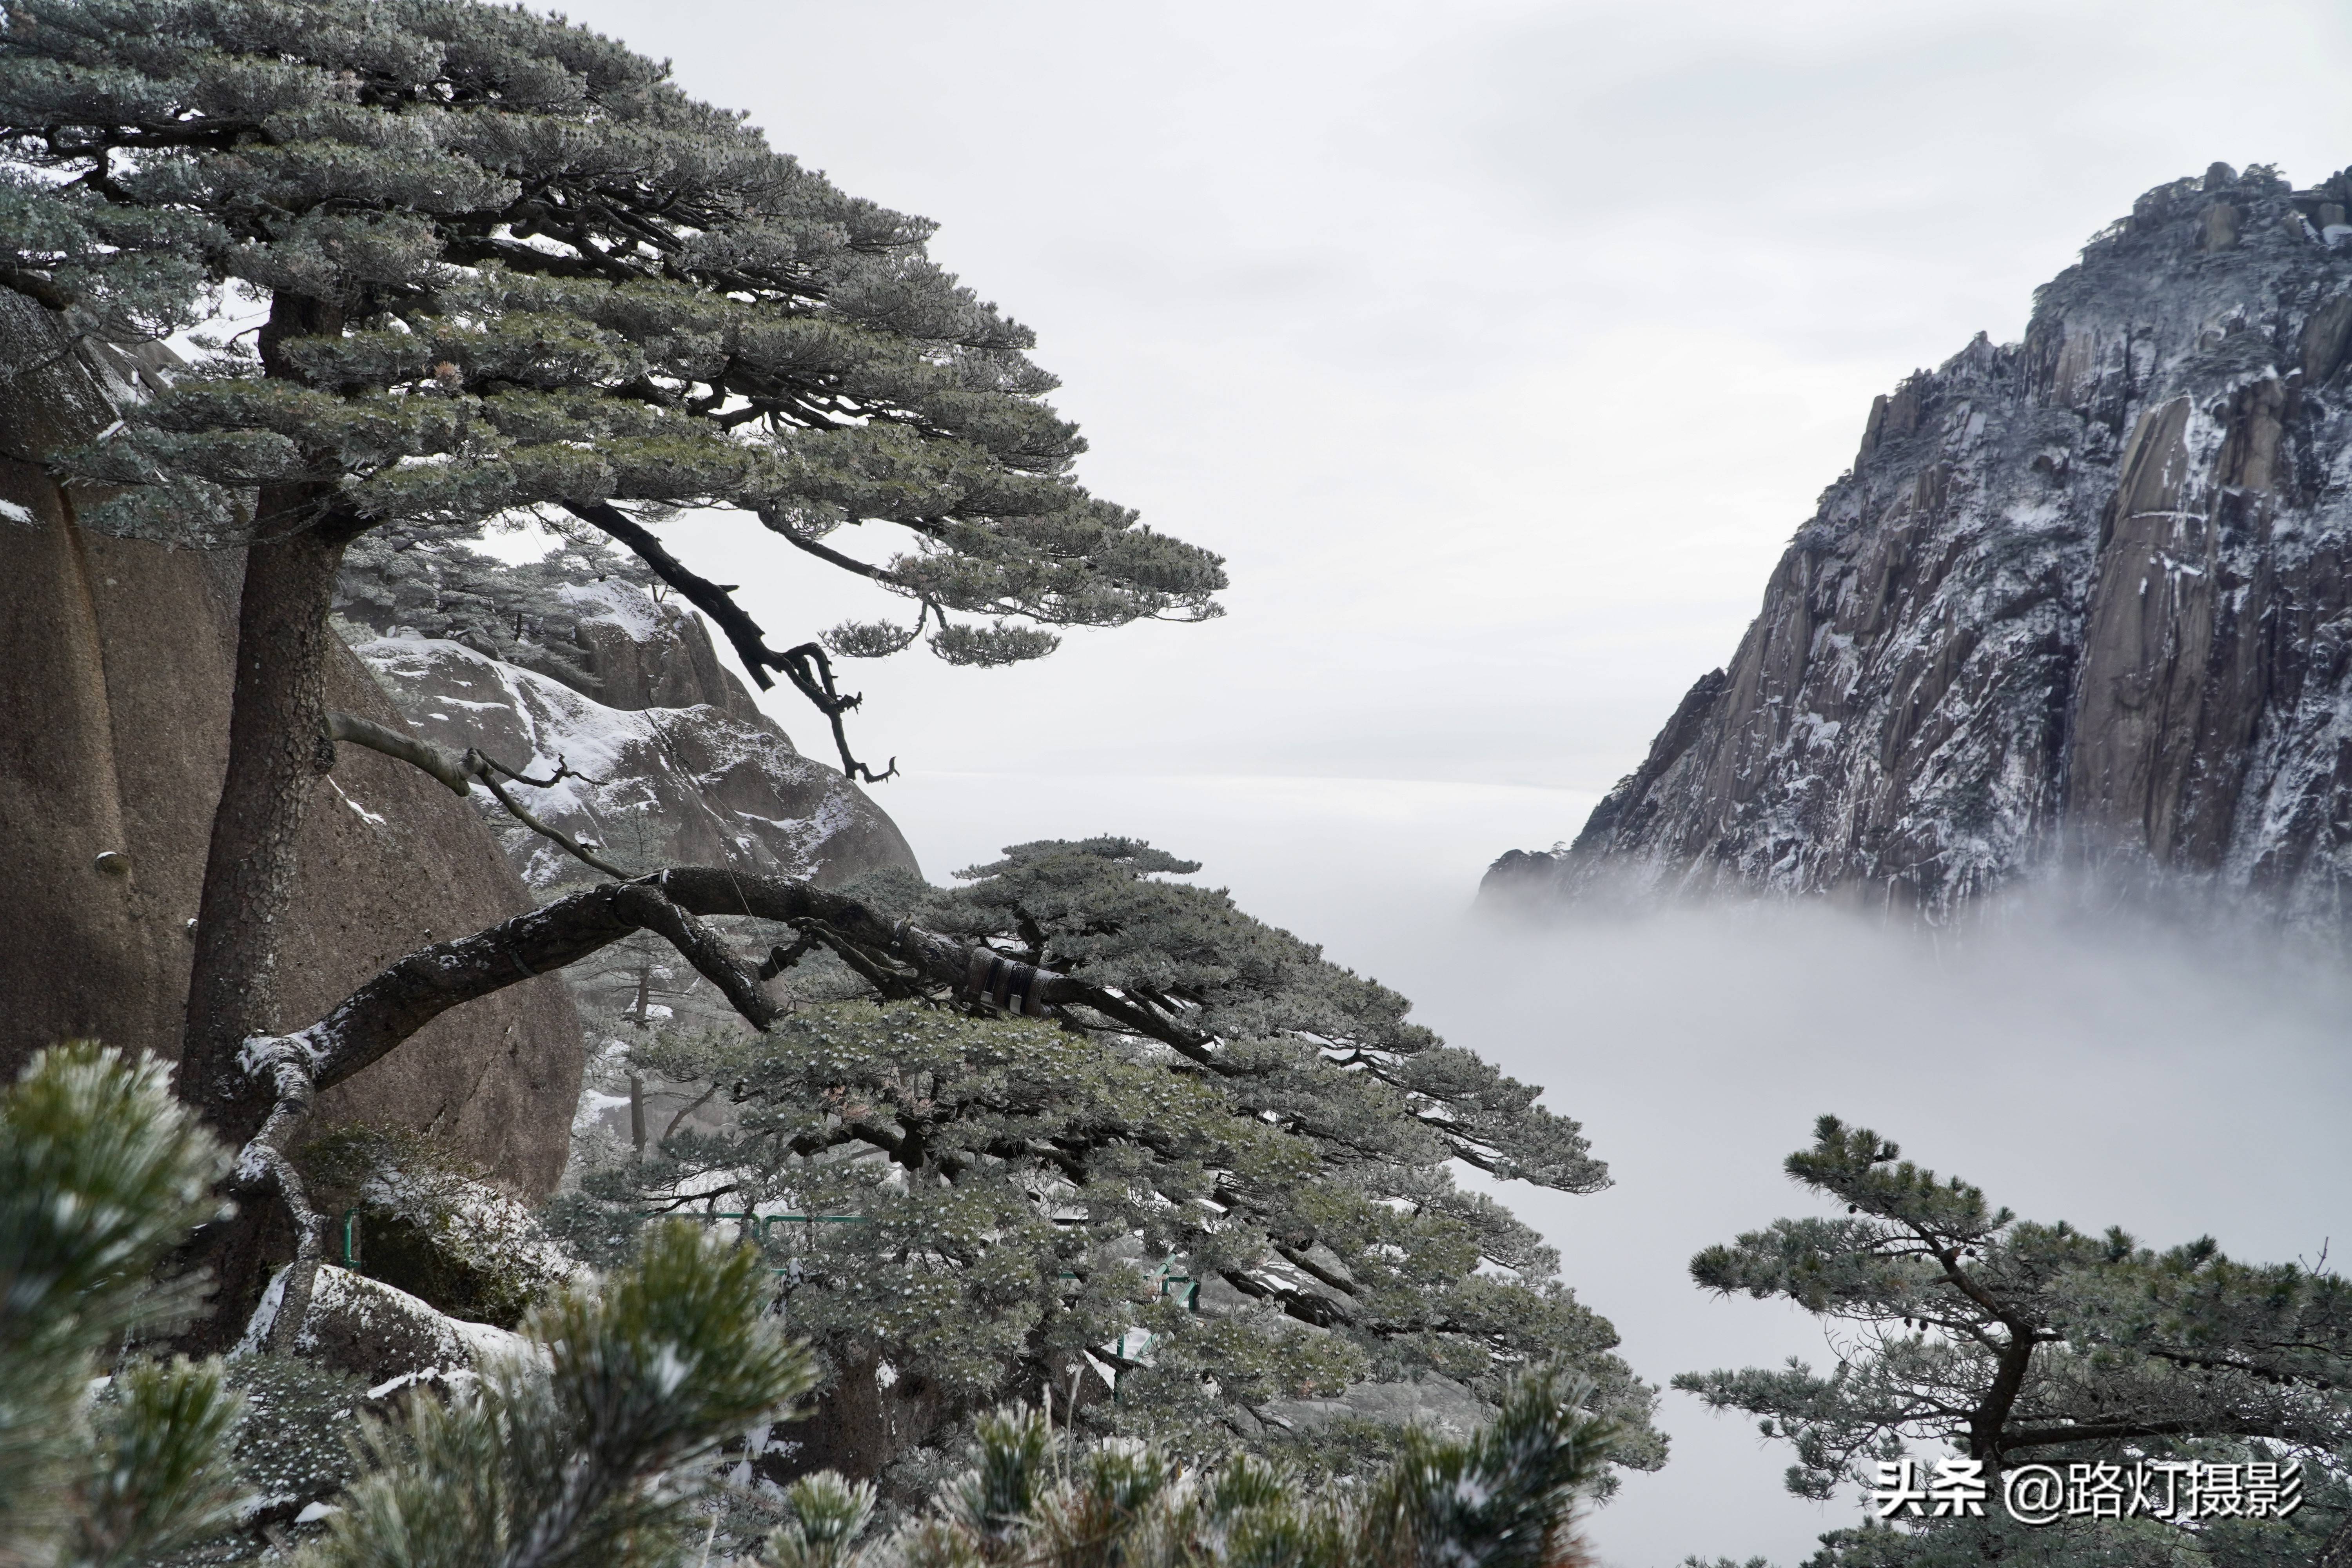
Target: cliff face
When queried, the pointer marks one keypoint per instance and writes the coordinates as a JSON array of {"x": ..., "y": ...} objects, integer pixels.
[
  {"x": 2082, "y": 601},
  {"x": 113, "y": 736}
]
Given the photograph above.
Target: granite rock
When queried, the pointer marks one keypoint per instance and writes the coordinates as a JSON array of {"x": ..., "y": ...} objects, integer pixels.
[
  {"x": 2083, "y": 602},
  {"x": 112, "y": 743}
]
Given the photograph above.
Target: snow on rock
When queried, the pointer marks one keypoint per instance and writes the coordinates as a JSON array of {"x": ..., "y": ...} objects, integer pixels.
[
  {"x": 694, "y": 785},
  {"x": 621, "y": 604},
  {"x": 645, "y": 652},
  {"x": 2083, "y": 602},
  {"x": 366, "y": 1327},
  {"x": 481, "y": 1235}
]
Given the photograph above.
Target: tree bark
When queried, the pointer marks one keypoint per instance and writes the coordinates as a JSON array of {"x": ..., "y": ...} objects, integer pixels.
[
  {"x": 274, "y": 753},
  {"x": 277, "y": 751},
  {"x": 276, "y": 739}
]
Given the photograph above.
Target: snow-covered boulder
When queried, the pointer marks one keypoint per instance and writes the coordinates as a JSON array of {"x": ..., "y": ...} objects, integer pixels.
[
  {"x": 695, "y": 785},
  {"x": 415, "y": 1218},
  {"x": 379, "y": 1333}
]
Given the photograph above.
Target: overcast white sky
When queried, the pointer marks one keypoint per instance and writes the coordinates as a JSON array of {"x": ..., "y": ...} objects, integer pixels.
[{"x": 1501, "y": 346}]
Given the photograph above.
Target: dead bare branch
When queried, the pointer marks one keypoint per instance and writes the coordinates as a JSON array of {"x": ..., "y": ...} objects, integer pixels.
[
  {"x": 459, "y": 770},
  {"x": 448, "y": 766},
  {"x": 547, "y": 830},
  {"x": 807, "y": 667}
]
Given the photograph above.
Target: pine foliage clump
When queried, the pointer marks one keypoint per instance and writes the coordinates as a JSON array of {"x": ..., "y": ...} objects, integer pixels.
[
  {"x": 1505, "y": 1497},
  {"x": 591, "y": 1450},
  {"x": 1966, "y": 1329},
  {"x": 101, "y": 1174},
  {"x": 512, "y": 271},
  {"x": 594, "y": 1448},
  {"x": 593, "y": 1454},
  {"x": 1141, "y": 1239}
]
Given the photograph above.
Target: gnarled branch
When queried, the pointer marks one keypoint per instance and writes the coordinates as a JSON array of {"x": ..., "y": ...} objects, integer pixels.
[
  {"x": 805, "y": 666},
  {"x": 548, "y": 830},
  {"x": 750, "y": 644},
  {"x": 645, "y": 905},
  {"x": 266, "y": 1164},
  {"x": 398, "y": 1001}
]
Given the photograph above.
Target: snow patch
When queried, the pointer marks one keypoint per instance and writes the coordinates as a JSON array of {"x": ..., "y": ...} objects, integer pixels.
[
  {"x": 615, "y": 603},
  {"x": 372, "y": 819},
  {"x": 264, "y": 1317}
]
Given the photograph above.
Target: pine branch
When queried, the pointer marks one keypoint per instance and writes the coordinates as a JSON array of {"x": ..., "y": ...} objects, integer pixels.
[{"x": 393, "y": 1004}]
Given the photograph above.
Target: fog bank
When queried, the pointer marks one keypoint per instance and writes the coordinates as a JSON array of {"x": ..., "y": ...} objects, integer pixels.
[{"x": 2178, "y": 1080}]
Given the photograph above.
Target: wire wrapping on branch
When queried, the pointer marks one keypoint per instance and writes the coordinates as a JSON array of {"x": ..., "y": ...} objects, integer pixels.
[{"x": 1005, "y": 984}]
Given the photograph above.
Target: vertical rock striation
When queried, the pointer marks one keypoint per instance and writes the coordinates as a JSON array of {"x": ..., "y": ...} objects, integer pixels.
[
  {"x": 113, "y": 739},
  {"x": 2082, "y": 602}
]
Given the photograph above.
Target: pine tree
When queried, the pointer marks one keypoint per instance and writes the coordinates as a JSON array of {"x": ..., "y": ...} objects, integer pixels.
[
  {"x": 508, "y": 267},
  {"x": 1140, "y": 1238},
  {"x": 2014, "y": 1342},
  {"x": 102, "y": 1172}
]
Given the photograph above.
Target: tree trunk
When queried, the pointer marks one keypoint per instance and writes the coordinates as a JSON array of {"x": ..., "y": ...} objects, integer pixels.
[
  {"x": 278, "y": 748},
  {"x": 276, "y": 752}
]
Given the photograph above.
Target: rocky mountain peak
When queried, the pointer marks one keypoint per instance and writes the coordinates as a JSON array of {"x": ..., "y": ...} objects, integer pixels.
[{"x": 2082, "y": 601}]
